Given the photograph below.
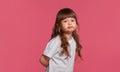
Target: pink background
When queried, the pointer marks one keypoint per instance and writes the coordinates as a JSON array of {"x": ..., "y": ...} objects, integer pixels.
[{"x": 26, "y": 25}]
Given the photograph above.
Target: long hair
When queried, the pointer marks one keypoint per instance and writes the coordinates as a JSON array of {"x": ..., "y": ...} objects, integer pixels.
[{"x": 57, "y": 30}]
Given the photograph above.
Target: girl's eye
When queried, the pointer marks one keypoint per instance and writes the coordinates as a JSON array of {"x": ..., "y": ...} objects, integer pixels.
[
  {"x": 64, "y": 21},
  {"x": 72, "y": 20}
]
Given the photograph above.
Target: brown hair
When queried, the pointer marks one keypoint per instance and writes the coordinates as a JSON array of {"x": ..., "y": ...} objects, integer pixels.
[{"x": 61, "y": 15}]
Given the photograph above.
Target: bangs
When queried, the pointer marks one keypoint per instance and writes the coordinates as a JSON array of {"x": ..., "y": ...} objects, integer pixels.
[
  {"x": 70, "y": 15},
  {"x": 65, "y": 13}
]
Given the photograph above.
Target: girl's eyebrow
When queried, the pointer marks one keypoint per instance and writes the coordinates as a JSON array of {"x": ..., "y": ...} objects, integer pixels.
[{"x": 69, "y": 17}]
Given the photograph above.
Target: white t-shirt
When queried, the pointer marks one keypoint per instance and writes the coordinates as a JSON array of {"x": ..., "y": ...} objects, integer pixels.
[{"x": 57, "y": 62}]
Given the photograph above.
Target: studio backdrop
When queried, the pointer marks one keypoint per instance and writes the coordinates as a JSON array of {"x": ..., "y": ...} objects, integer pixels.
[{"x": 26, "y": 26}]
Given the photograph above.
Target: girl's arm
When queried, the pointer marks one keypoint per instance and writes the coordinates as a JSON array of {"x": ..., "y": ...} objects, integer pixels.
[{"x": 44, "y": 60}]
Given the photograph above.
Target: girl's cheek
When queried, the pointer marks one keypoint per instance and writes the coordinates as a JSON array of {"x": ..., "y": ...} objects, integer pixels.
[
  {"x": 65, "y": 25},
  {"x": 75, "y": 26}
]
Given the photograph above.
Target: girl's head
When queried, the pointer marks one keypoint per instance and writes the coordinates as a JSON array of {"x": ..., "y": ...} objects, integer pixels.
[{"x": 66, "y": 23}]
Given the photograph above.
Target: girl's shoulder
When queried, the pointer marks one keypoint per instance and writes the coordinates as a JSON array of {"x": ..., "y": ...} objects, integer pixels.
[{"x": 55, "y": 39}]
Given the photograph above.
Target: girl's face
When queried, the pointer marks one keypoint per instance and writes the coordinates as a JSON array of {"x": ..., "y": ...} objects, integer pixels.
[{"x": 68, "y": 25}]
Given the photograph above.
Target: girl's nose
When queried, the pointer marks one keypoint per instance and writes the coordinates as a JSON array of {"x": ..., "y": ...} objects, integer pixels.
[{"x": 69, "y": 23}]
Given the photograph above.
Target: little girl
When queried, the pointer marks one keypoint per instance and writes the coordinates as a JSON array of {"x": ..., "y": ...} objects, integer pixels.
[{"x": 59, "y": 54}]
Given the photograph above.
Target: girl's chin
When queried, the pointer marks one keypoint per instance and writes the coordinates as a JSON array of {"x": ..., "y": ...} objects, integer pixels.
[{"x": 68, "y": 32}]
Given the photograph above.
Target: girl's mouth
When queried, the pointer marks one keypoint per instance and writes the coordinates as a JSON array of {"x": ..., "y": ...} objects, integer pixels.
[{"x": 70, "y": 27}]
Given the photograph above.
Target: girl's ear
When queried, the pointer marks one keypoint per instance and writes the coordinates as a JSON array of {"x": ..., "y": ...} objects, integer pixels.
[
  {"x": 59, "y": 29},
  {"x": 77, "y": 28}
]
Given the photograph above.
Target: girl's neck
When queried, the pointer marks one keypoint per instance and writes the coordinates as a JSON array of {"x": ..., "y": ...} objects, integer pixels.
[{"x": 68, "y": 36}]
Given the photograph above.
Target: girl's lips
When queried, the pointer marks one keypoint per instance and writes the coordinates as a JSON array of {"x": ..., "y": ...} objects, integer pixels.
[{"x": 70, "y": 27}]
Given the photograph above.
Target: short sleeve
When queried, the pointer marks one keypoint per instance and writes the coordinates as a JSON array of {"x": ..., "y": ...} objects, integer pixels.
[{"x": 51, "y": 48}]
